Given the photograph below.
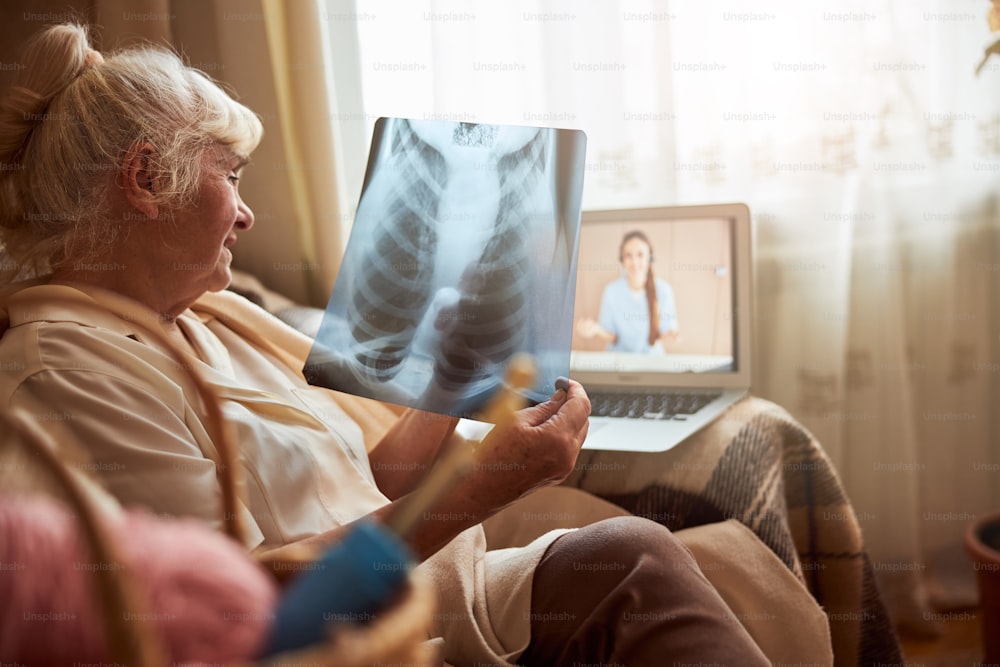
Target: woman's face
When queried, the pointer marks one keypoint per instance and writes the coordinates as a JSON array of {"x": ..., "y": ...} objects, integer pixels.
[
  {"x": 200, "y": 237},
  {"x": 635, "y": 261}
]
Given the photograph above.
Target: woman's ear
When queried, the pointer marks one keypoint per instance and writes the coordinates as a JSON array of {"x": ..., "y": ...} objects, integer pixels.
[{"x": 138, "y": 179}]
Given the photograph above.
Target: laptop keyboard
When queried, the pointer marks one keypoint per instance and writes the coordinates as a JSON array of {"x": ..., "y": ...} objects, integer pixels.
[{"x": 648, "y": 405}]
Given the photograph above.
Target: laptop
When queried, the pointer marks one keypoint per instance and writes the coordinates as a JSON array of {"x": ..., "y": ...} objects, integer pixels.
[{"x": 652, "y": 385}]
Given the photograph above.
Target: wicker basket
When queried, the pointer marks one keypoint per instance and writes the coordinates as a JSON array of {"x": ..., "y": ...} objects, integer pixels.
[{"x": 397, "y": 637}]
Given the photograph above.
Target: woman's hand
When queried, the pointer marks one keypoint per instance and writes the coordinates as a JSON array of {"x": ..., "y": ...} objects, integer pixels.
[
  {"x": 588, "y": 327},
  {"x": 671, "y": 336},
  {"x": 538, "y": 448}
]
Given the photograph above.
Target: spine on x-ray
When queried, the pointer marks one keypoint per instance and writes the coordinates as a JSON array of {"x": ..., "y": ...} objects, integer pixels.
[
  {"x": 492, "y": 315},
  {"x": 392, "y": 287}
]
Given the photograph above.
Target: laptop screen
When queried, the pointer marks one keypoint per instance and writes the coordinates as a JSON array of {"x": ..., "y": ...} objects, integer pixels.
[{"x": 658, "y": 293}]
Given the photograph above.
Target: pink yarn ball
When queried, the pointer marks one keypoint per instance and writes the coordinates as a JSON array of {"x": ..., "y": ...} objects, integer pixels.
[{"x": 206, "y": 598}]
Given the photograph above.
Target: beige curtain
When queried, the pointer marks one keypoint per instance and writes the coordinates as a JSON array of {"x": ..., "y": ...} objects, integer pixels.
[
  {"x": 872, "y": 171},
  {"x": 275, "y": 57}
]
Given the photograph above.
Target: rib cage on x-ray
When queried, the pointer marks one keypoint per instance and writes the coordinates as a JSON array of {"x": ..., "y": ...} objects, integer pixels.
[
  {"x": 492, "y": 316},
  {"x": 392, "y": 288},
  {"x": 460, "y": 256}
]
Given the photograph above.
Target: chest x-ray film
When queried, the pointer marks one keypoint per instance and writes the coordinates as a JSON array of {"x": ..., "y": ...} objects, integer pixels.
[{"x": 462, "y": 254}]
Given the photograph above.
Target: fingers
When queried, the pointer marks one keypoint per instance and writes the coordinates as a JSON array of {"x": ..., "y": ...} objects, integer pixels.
[
  {"x": 569, "y": 402},
  {"x": 546, "y": 438},
  {"x": 541, "y": 413},
  {"x": 565, "y": 428},
  {"x": 577, "y": 398}
]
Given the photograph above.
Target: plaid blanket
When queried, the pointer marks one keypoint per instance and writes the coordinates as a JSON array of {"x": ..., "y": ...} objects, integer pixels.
[{"x": 757, "y": 465}]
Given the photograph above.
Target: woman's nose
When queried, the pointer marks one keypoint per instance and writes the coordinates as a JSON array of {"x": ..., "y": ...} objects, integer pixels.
[{"x": 244, "y": 217}]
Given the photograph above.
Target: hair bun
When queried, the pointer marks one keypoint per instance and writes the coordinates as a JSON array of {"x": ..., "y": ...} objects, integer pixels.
[{"x": 51, "y": 61}]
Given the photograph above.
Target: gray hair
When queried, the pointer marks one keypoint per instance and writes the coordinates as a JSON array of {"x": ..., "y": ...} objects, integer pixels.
[{"x": 66, "y": 124}]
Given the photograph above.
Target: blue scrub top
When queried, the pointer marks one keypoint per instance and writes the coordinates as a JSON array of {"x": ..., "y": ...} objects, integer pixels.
[{"x": 625, "y": 313}]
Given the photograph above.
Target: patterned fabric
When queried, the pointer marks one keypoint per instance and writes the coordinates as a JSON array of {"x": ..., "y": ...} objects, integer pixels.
[{"x": 758, "y": 465}]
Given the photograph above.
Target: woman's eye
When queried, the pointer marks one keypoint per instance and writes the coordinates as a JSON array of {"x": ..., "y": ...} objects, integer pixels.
[{"x": 234, "y": 179}]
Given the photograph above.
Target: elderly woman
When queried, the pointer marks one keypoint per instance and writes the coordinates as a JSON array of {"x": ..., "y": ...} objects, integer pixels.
[{"x": 121, "y": 175}]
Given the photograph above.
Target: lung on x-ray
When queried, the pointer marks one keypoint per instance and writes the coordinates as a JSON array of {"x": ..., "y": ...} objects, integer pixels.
[{"x": 462, "y": 254}]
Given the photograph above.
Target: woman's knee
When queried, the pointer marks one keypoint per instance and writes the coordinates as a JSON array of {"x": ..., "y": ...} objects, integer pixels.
[
  {"x": 627, "y": 589},
  {"x": 602, "y": 555},
  {"x": 622, "y": 543}
]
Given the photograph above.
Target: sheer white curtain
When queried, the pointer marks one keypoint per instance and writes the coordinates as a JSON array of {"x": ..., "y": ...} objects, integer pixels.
[{"x": 868, "y": 151}]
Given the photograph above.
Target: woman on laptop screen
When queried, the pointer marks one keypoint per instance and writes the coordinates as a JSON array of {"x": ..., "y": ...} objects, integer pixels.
[{"x": 638, "y": 313}]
